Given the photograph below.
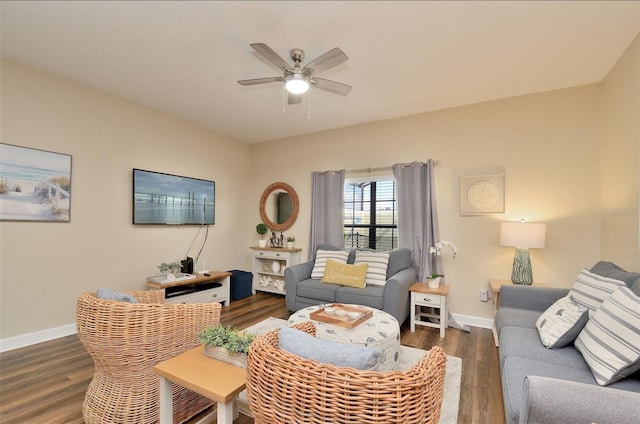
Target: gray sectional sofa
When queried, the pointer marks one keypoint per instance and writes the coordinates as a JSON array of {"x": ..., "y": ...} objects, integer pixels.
[
  {"x": 543, "y": 385},
  {"x": 303, "y": 291}
]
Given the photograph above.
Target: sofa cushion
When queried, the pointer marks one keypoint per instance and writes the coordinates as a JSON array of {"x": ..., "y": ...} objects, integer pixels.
[
  {"x": 345, "y": 274},
  {"x": 590, "y": 289},
  {"x": 377, "y": 266},
  {"x": 609, "y": 341},
  {"x": 314, "y": 289},
  {"x": 516, "y": 317},
  {"x": 515, "y": 369},
  {"x": 525, "y": 343},
  {"x": 561, "y": 323},
  {"x": 328, "y": 351},
  {"x": 322, "y": 255},
  {"x": 611, "y": 270},
  {"x": 371, "y": 296},
  {"x": 399, "y": 259}
]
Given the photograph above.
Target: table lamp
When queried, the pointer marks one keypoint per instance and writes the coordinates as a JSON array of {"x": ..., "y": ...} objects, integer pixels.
[{"x": 522, "y": 236}]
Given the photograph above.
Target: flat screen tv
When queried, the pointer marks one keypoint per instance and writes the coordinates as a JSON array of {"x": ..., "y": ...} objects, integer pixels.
[{"x": 160, "y": 198}]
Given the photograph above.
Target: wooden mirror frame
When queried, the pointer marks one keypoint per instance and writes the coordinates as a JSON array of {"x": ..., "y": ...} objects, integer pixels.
[{"x": 294, "y": 206}]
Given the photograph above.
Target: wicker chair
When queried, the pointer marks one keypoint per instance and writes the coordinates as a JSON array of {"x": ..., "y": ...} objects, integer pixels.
[
  {"x": 125, "y": 341},
  {"x": 286, "y": 389}
]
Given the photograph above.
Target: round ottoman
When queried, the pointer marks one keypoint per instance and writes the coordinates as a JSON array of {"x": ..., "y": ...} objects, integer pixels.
[{"x": 381, "y": 331}]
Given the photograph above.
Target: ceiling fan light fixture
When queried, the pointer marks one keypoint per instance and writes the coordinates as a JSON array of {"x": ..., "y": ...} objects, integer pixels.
[{"x": 296, "y": 83}]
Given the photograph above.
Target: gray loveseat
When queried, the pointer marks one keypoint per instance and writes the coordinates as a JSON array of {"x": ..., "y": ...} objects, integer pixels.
[
  {"x": 541, "y": 385},
  {"x": 303, "y": 291}
]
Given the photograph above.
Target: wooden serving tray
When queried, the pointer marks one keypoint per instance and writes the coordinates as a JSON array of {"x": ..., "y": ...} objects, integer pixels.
[{"x": 345, "y": 321}]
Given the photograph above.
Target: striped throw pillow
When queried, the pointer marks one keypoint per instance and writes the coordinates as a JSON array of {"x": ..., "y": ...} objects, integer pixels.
[
  {"x": 320, "y": 264},
  {"x": 377, "y": 269},
  {"x": 610, "y": 342},
  {"x": 590, "y": 290}
]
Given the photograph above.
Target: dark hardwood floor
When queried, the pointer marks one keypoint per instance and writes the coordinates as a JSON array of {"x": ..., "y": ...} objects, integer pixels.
[{"x": 45, "y": 383}]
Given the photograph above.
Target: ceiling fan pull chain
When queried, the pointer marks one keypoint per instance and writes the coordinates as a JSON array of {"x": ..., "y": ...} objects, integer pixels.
[
  {"x": 284, "y": 96},
  {"x": 309, "y": 115}
]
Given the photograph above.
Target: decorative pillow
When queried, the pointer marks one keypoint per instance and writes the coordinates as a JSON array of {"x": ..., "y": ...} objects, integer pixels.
[
  {"x": 345, "y": 274},
  {"x": 378, "y": 262},
  {"x": 321, "y": 260},
  {"x": 107, "y": 294},
  {"x": 328, "y": 351},
  {"x": 635, "y": 288},
  {"x": 561, "y": 323},
  {"x": 609, "y": 341},
  {"x": 611, "y": 270},
  {"x": 590, "y": 290}
]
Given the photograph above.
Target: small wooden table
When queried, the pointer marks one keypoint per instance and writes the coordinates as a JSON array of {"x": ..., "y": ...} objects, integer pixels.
[
  {"x": 422, "y": 295},
  {"x": 495, "y": 285},
  {"x": 211, "y": 378}
]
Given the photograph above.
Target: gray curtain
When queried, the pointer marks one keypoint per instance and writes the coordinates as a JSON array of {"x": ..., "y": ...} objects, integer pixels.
[
  {"x": 417, "y": 214},
  {"x": 327, "y": 192}
]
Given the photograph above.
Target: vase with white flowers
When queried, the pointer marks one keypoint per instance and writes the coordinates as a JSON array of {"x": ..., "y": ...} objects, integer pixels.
[{"x": 434, "y": 279}]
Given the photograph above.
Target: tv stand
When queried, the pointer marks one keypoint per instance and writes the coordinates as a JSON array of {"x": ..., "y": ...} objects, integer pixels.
[{"x": 215, "y": 287}]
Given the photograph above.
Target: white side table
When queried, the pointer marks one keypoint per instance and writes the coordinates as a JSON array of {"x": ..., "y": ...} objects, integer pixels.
[{"x": 422, "y": 295}]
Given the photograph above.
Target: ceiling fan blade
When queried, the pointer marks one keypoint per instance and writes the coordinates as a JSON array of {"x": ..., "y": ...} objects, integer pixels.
[
  {"x": 332, "y": 86},
  {"x": 271, "y": 56},
  {"x": 256, "y": 81},
  {"x": 328, "y": 60},
  {"x": 293, "y": 99}
]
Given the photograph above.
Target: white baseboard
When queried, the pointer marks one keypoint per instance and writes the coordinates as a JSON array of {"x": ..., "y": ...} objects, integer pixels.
[
  {"x": 473, "y": 321},
  {"x": 29, "y": 339}
]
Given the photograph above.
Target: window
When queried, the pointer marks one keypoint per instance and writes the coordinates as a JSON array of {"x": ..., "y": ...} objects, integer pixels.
[{"x": 370, "y": 217}]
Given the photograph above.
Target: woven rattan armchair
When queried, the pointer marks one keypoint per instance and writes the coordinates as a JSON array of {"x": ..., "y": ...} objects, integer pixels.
[
  {"x": 286, "y": 389},
  {"x": 125, "y": 341}
]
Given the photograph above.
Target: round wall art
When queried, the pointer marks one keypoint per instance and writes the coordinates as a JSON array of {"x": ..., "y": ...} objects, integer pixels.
[{"x": 482, "y": 194}]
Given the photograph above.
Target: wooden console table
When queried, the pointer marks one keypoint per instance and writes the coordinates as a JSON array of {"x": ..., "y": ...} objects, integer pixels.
[{"x": 198, "y": 289}]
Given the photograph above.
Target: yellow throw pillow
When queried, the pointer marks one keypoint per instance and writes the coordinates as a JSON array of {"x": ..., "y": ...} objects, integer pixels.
[{"x": 345, "y": 274}]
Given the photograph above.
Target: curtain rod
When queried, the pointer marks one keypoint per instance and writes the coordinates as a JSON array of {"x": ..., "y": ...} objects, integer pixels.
[{"x": 436, "y": 162}]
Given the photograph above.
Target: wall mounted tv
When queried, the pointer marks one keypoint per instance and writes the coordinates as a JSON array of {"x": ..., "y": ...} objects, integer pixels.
[{"x": 160, "y": 198}]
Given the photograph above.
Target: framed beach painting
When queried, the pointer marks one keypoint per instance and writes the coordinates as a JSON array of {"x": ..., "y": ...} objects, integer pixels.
[{"x": 35, "y": 185}]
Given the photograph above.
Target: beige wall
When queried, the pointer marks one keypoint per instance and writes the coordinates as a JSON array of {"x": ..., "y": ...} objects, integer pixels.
[
  {"x": 571, "y": 158},
  {"x": 44, "y": 266},
  {"x": 557, "y": 148},
  {"x": 620, "y": 158},
  {"x": 548, "y": 145}
]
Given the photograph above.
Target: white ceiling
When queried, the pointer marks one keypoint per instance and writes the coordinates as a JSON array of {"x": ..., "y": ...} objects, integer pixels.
[{"x": 404, "y": 57}]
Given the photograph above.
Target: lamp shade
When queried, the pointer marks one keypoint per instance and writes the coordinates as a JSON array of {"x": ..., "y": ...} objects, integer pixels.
[{"x": 523, "y": 234}]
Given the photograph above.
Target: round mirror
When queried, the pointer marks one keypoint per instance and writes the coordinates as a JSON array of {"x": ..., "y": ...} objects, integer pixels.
[{"x": 279, "y": 206}]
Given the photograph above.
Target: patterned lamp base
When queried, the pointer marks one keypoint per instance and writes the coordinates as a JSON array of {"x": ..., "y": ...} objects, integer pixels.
[{"x": 521, "y": 273}]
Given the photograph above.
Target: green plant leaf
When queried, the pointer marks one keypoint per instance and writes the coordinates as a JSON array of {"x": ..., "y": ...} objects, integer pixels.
[{"x": 228, "y": 338}]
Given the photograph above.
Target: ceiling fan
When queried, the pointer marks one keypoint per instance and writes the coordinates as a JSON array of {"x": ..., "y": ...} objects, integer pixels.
[{"x": 297, "y": 79}]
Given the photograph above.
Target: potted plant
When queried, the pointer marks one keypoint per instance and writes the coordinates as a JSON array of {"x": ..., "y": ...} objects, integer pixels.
[
  {"x": 262, "y": 229},
  {"x": 169, "y": 269},
  {"x": 226, "y": 344},
  {"x": 291, "y": 241},
  {"x": 434, "y": 278}
]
